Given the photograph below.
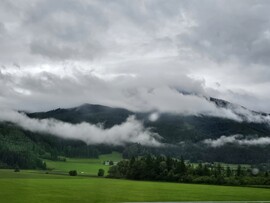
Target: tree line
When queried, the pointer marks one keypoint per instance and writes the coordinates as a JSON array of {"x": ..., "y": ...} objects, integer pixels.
[
  {"x": 27, "y": 150},
  {"x": 162, "y": 168}
]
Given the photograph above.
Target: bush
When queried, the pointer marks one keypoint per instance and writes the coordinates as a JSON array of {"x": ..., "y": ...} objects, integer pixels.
[
  {"x": 205, "y": 180},
  {"x": 114, "y": 172},
  {"x": 17, "y": 169},
  {"x": 73, "y": 173},
  {"x": 186, "y": 179},
  {"x": 101, "y": 172}
]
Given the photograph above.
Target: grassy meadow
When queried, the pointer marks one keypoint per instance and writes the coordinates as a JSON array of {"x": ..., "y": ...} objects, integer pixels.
[
  {"x": 83, "y": 166},
  {"x": 35, "y": 186},
  {"x": 56, "y": 186}
]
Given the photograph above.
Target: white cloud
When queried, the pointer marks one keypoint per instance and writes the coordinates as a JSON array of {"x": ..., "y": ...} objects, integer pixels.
[
  {"x": 153, "y": 117},
  {"x": 131, "y": 131},
  {"x": 137, "y": 93},
  {"x": 237, "y": 139},
  {"x": 134, "y": 54}
]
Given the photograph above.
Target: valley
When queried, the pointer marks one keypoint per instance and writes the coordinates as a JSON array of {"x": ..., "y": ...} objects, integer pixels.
[{"x": 57, "y": 186}]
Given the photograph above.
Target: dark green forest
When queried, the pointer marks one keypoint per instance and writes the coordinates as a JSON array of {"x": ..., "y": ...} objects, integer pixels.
[
  {"x": 25, "y": 149},
  {"x": 181, "y": 135},
  {"x": 162, "y": 168}
]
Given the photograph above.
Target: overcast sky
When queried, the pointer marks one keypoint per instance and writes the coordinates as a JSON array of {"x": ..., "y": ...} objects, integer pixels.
[{"x": 135, "y": 54}]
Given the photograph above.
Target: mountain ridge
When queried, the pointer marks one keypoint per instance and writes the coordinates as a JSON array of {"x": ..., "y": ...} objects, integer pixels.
[
  {"x": 182, "y": 135},
  {"x": 173, "y": 127}
]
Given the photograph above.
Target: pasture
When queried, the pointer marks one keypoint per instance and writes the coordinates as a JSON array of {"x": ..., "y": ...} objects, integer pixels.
[
  {"x": 83, "y": 166},
  {"x": 56, "y": 186},
  {"x": 36, "y": 186}
]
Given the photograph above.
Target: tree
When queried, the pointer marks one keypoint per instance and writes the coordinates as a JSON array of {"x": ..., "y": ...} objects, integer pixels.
[
  {"x": 199, "y": 169},
  {"x": 73, "y": 173},
  {"x": 239, "y": 171},
  {"x": 219, "y": 169},
  {"x": 266, "y": 174},
  {"x": 181, "y": 167},
  {"x": 114, "y": 171},
  {"x": 228, "y": 171},
  {"x": 17, "y": 169},
  {"x": 101, "y": 172},
  {"x": 206, "y": 170}
]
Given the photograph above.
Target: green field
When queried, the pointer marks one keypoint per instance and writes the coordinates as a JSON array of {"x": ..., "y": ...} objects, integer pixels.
[
  {"x": 34, "y": 186},
  {"x": 56, "y": 186},
  {"x": 83, "y": 166}
]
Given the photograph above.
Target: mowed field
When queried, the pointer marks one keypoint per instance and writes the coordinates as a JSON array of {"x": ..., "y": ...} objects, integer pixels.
[
  {"x": 35, "y": 186},
  {"x": 56, "y": 186}
]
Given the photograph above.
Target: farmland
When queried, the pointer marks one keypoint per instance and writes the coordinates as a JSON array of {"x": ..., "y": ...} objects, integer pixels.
[
  {"x": 40, "y": 186},
  {"x": 83, "y": 166},
  {"x": 34, "y": 186}
]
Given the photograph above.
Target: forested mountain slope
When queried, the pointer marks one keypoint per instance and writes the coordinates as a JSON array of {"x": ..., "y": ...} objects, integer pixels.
[{"x": 182, "y": 135}]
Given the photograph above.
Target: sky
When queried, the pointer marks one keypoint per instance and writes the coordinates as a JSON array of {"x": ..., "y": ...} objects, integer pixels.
[{"x": 164, "y": 55}]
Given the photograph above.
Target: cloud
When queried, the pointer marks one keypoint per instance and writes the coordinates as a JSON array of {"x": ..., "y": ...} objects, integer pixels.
[
  {"x": 237, "y": 139},
  {"x": 134, "y": 55},
  {"x": 153, "y": 117},
  {"x": 247, "y": 115},
  {"x": 230, "y": 30},
  {"x": 24, "y": 90},
  {"x": 131, "y": 131}
]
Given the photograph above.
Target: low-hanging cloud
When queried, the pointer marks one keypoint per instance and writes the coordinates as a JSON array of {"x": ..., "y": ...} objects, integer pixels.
[
  {"x": 142, "y": 51},
  {"x": 237, "y": 139},
  {"x": 153, "y": 117},
  {"x": 247, "y": 115},
  {"x": 131, "y": 131},
  {"x": 136, "y": 93}
]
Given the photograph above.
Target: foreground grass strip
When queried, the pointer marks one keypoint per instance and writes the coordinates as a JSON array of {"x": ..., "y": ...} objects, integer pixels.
[{"x": 27, "y": 186}]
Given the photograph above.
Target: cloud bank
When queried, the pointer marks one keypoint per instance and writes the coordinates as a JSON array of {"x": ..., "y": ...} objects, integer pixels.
[
  {"x": 138, "y": 55},
  {"x": 131, "y": 131},
  {"x": 136, "y": 93},
  {"x": 237, "y": 139}
]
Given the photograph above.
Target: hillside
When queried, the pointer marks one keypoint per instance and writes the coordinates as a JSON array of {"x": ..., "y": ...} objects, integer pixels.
[
  {"x": 182, "y": 135},
  {"x": 185, "y": 133},
  {"x": 173, "y": 128}
]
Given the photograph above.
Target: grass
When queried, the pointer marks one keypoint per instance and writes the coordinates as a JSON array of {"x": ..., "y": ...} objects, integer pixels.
[
  {"x": 83, "y": 166},
  {"x": 35, "y": 186}
]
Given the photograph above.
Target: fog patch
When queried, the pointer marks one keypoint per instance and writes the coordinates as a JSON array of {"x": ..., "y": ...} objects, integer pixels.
[
  {"x": 130, "y": 131},
  {"x": 236, "y": 139},
  {"x": 153, "y": 117}
]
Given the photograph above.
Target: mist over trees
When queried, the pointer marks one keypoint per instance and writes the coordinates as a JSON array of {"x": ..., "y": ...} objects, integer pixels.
[
  {"x": 27, "y": 150},
  {"x": 181, "y": 135}
]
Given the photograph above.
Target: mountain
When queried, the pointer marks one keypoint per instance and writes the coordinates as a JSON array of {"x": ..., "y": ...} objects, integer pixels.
[
  {"x": 182, "y": 135},
  {"x": 173, "y": 128},
  {"x": 87, "y": 113},
  {"x": 185, "y": 133},
  {"x": 234, "y": 107}
]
